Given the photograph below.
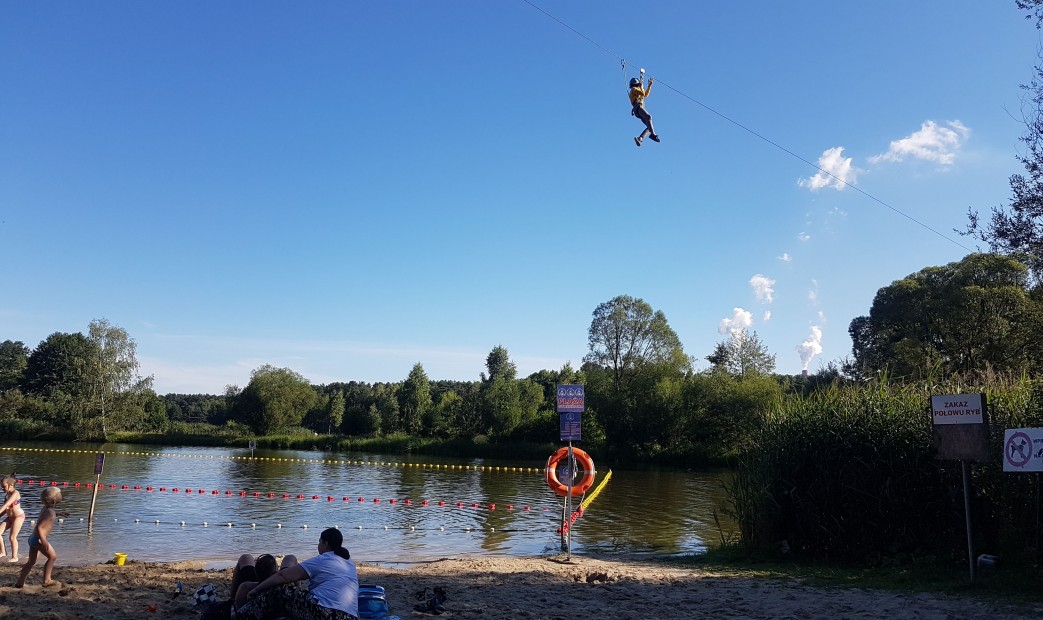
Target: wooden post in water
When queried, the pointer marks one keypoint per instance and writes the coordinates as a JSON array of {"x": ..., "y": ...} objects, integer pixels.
[{"x": 99, "y": 465}]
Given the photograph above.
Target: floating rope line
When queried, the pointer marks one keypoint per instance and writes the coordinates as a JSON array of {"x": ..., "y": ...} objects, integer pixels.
[
  {"x": 586, "y": 502},
  {"x": 576, "y": 514},
  {"x": 197, "y": 492},
  {"x": 392, "y": 464}
]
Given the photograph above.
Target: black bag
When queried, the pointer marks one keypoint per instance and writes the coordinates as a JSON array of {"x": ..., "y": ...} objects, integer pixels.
[{"x": 217, "y": 611}]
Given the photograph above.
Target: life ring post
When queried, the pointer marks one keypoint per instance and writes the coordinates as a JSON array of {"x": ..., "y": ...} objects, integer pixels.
[{"x": 576, "y": 476}]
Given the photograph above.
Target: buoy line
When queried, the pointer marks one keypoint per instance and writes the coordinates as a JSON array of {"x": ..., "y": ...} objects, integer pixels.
[
  {"x": 182, "y": 524},
  {"x": 197, "y": 492},
  {"x": 355, "y": 462}
]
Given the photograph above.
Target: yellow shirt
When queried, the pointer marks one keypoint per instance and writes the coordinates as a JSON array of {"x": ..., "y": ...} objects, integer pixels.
[{"x": 637, "y": 95}]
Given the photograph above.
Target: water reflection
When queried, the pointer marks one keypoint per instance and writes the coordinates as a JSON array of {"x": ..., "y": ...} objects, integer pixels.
[{"x": 280, "y": 500}]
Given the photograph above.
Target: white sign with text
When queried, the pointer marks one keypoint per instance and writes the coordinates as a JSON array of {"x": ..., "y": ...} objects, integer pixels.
[{"x": 957, "y": 409}]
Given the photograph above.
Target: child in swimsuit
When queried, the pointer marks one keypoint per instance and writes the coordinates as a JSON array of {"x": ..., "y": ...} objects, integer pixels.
[
  {"x": 38, "y": 542},
  {"x": 13, "y": 515}
]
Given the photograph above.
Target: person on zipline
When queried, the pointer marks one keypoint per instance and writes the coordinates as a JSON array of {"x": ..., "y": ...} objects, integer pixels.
[{"x": 637, "y": 100}]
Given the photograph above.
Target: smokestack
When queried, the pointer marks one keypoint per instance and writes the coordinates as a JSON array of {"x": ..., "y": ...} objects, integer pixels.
[{"x": 805, "y": 373}]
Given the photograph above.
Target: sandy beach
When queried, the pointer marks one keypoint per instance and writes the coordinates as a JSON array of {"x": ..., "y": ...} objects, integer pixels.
[{"x": 500, "y": 589}]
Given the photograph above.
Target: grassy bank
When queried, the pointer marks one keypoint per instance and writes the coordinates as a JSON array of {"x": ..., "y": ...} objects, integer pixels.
[{"x": 1011, "y": 585}]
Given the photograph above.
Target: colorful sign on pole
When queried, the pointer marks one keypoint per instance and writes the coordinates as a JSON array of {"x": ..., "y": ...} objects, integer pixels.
[
  {"x": 570, "y": 412},
  {"x": 1023, "y": 450},
  {"x": 570, "y": 399}
]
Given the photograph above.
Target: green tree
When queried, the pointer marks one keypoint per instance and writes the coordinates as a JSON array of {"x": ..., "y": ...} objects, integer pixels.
[
  {"x": 634, "y": 359},
  {"x": 442, "y": 416},
  {"x": 743, "y": 353},
  {"x": 500, "y": 394},
  {"x": 14, "y": 358},
  {"x": 115, "y": 394},
  {"x": 275, "y": 399},
  {"x": 626, "y": 334},
  {"x": 335, "y": 412},
  {"x": 414, "y": 399},
  {"x": 965, "y": 317},
  {"x": 56, "y": 365},
  {"x": 499, "y": 364}
]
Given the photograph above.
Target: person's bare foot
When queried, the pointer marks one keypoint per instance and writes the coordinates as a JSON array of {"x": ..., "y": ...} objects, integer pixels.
[
  {"x": 52, "y": 583},
  {"x": 13, "y": 559}
]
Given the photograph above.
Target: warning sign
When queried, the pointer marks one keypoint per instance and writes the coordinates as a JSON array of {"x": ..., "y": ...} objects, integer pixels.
[
  {"x": 1023, "y": 449},
  {"x": 957, "y": 409}
]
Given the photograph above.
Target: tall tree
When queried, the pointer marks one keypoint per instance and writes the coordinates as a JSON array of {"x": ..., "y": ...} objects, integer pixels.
[
  {"x": 414, "y": 399},
  {"x": 56, "y": 365},
  {"x": 275, "y": 398},
  {"x": 742, "y": 354},
  {"x": 335, "y": 412},
  {"x": 626, "y": 333},
  {"x": 14, "y": 357},
  {"x": 635, "y": 358},
  {"x": 964, "y": 317},
  {"x": 111, "y": 376},
  {"x": 500, "y": 394},
  {"x": 499, "y": 364}
]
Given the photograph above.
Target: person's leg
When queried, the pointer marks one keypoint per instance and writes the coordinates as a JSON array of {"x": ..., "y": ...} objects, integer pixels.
[
  {"x": 241, "y": 596},
  {"x": 22, "y": 576},
  {"x": 15, "y": 528},
  {"x": 245, "y": 560},
  {"x": 288, "y": 561},
  {"x": 267, "y": 604},
  {"x": 3, "y": 528},
  {"x": 643, "y": 116},
  {"x": 52, "y": 557}
]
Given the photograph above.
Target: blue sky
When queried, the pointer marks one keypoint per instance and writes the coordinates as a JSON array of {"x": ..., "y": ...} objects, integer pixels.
[{"x": 346, "y": 189}]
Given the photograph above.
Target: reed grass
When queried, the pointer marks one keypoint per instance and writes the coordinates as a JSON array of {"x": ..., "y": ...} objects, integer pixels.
[{"x": 850, "y": 473}]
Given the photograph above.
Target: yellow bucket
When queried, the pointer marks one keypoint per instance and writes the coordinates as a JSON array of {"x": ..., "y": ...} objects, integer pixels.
[{"x": 120, "y": 559}]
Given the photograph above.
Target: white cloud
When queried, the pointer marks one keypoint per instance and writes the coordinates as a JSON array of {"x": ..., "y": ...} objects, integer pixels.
[
  {"x": 821, "y": 316},
  {"x": 933, "y": 142},
  {"x": 785, "y": 257},
  {"x": 767, "y": 315},
  {"x": 811, "y": 347},
  {"x": 763, "y": 288},
  {"x": 803, "y": 236},
  {"x": 835, "y": 170},
  {"x": 741, "y": 319},
  {"x": 813, "y": 292}
]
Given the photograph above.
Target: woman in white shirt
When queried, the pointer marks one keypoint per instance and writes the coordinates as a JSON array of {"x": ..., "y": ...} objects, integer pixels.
[{"x": 333, "y": 587}]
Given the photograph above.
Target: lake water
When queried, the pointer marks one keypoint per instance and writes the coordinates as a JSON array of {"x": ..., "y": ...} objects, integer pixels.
[{"x": 473, "y": 506}]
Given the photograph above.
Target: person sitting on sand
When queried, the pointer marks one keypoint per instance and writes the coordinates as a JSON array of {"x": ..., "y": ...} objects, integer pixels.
[
  {"x": 333, "y": 587},
  {"x": 13, "y": 515},
  {"x": 38, "y": 542},
  {"x": 249, "y": 572}
]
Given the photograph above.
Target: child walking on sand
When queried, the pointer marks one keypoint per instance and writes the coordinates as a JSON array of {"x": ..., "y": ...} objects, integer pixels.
[
  {"x": 38, "y": 539},
  {"x": 13, "y": 516}
]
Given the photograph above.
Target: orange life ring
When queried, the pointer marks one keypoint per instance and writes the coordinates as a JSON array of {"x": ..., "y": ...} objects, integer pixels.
[{"x": 584, "y": 465}]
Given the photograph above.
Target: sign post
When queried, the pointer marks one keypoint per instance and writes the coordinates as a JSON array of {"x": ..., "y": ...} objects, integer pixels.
[
  {"x": 570, "y": 412},
  {"x": 961, "y": 432},
  {"x": 99, "y": 466},
  {"x": 1023, "y": 452}
]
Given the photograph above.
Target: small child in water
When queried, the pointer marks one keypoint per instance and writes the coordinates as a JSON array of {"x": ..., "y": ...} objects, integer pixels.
[
  {"x": 38, "y": 539},
  {"x": 13, "y": 517}
]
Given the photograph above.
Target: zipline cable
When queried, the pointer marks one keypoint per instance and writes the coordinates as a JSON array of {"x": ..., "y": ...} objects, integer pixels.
[{"x": 758, "y": 135}]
